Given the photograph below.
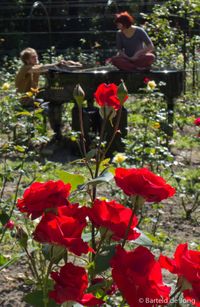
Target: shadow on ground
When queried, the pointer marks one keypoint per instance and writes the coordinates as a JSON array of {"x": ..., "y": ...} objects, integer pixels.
[{"x": 61, "y": 151}]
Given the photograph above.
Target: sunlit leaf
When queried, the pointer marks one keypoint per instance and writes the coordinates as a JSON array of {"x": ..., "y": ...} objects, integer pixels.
[
  {"x": 3, "y": 260},
  {"x": 19, "y": 148},
  {"x": 25, "y": 113},
  {"x": 74, "y": 179},
  {"x": 142, "y": 239},
  {"x": 104, "y": 178}
]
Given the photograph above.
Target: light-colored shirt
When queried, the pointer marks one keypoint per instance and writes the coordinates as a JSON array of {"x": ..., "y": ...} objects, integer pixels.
[{"x": 130, "y": 45}]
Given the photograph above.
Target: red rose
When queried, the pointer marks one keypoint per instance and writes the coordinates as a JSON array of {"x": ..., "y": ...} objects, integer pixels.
[
  {"x": 146, "y": 80},
  {"x": 142, "y": 182},
  {"x": 138, "y": 276},
  {"x": 186, "y": 264},
  {"x": 41, "y": 196},
  {"x": 10, "y": 225},
  {"x": 71, "y": 284},
  {"x": 197, "y": 121},
  {"x": 106, "y": 95},
  {"x": 64, "y": 229},
  {"x": 114, "y": 217}
]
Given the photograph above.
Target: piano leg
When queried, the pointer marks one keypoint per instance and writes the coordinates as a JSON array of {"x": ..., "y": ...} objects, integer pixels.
[
  {"x": 170, "y": 115},
  {"x": 55, "y": 119},
  {"x": 91, "y": 122}
]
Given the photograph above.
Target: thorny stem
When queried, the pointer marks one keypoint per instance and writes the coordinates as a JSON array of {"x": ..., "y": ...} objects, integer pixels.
[
  {"x": 14, "y": 202},
  {"x": 4, "y": 181},
  {"x": 100, "y": 243},
  {"x": 195, "y": 203},
  {"x": 83, "y": 139},
  {"x": 33, "y": 268},
  {"x": 3, "y": 188},
  {"x": 114, "y": 132},
  {"x": 145, "y": 138},
  {"x": 93, "y": 239},
  {"x": 98, "y": 158},
  {"x": 98, "y": 162},
  {"x": 130, "y": 221},
  {"x": 45, "y": 297},
  {"x": 175, "y": 292}
]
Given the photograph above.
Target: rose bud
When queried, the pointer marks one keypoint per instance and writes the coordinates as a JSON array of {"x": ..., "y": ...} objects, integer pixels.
[
  {"x": 122, "y": 92},
  {"x": 10, "y": 225},
  {"x": 79, "y": 95}
]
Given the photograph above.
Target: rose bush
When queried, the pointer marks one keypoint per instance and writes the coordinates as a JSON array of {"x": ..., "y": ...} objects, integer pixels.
[
  {"x": 135, "y": 273},
  {"x": 109, "y": 273}
]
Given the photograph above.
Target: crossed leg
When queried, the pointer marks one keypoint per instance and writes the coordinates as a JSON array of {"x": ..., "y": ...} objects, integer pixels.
[{"x": 144, "y": 61}]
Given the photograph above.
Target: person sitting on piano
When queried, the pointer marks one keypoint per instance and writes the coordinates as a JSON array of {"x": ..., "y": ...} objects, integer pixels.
[
  {"x": 27, "y": 78},
  {"x": 135, "y": 48}
]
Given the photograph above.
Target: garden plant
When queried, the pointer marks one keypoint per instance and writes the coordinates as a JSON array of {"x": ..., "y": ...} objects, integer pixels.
[
  {"x": 118, "y": 229},
  {"x": 85, "y": 249}
]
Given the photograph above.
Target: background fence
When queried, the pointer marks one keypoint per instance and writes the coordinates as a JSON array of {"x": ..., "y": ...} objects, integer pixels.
[
  {"x": 63, "y": 24},
  {"x": 87, "y": 26}
]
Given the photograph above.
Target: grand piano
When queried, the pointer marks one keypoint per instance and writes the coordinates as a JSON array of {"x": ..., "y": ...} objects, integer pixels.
[{"x": 60, "y": 83}]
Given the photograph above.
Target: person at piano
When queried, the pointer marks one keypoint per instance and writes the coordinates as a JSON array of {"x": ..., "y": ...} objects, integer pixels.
[
  {"x": 27, "y": 78},
  {"x": 28, "y": 75},
  {"x": 135, "y": 48}
]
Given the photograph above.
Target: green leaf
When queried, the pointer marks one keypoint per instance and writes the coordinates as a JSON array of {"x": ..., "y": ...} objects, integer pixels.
[
  {"x": 91, "y": 154},
  {"x": 38, "y": 111},
  {"x": 105, "y": 162},
  {"x": 87, "y": 237},
  {"x": 3, "y": 260},
  {"x": 35, "y": 298},
  {"x": 26, "y": 113},
  {"x": 53, "y": 252},
  {"x": 74, "y": 179},
  {"x": 102, "y": 261},
  {"x": 110, "y": 169},
  {"x": 11, "y": 261},
  {"x": 105, "y": 177},
  {"x": 6, "y": 264},
  {"x": 4, "y": 218},
  {"x": 22, "y": 237},
  {"x": 142, "y": 239},
  {"x": 19, "y": 148}
]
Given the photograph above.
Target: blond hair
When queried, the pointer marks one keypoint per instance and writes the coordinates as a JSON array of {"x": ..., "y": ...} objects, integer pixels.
[{"x": 26, "y": 53}]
